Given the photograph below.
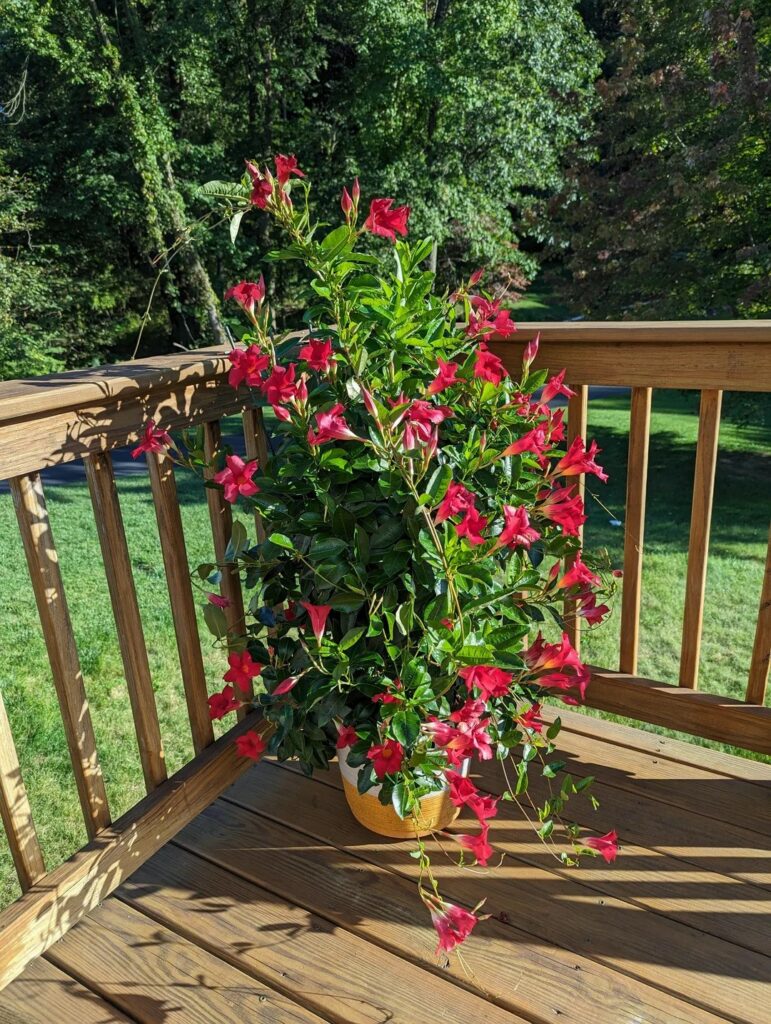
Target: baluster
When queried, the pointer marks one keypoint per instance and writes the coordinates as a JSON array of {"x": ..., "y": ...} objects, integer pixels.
[
  {"x": 256, "y": 448},
  {"x": 698, "y": 545},
  {"x": 761, "y": 649},
  {"x": 43, "y": 563},
  {"x": 221, "y": 516},
  {"x": 120, "y": 582},
  {"x": 15, "y": 811},
  {"x": 634, "y": 526},
  {"x": 578, "y": 411},
  {"x": 175, "y": 562}
]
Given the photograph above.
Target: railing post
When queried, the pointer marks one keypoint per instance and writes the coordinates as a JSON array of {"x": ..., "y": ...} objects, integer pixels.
[
  {"x": 578, "y": 411},
  {"x": 761, "y": 650},
  {"x": 634, "y": 527}
]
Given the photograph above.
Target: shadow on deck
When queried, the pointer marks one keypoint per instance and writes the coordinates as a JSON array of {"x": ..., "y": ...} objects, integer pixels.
[{"x": 274, "y": 905}]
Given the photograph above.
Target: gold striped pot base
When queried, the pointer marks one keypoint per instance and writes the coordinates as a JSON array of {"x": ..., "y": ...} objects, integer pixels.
[{"x": 436, "y": 812}]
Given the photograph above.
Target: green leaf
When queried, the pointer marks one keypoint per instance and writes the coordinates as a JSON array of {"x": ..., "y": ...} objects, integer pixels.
[
  {"x": 215, "y": 620},
  {"x": 282, "y": 541},
  {"x": 554, "y": 729},
  {"x": 352, "y": 637},
  {"x": 405, "y": 726},
  {"x": 546, "y": 829},
  {"x": 235, "y": 224},
  {"x": 438, "y": 484},
  {"x": 401, "y": 800}
]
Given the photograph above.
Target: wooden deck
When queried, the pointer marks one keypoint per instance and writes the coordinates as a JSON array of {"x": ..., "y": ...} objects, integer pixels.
[{"x": 275, "y": 906}]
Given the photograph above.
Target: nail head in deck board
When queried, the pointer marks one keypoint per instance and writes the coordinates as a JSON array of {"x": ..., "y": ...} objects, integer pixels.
[
  {"x": 155, "y": 974},
  {"x": 44, "y": 913},
  {"x": 172, "y": 538},
  {"x": 550, "y": 904},
  {"x": 43, "y": 562},
  {"x": 342, "y": 977},
  {"x": 128, "y": 622}
]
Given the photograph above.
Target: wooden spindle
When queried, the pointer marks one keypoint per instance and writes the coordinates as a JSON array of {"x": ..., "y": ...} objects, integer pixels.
[
  {"x": 120, "y": 582},
  {"x": 698, "y": 545},
  {"x": 256, "y": 443},
  {"x": 15, "y": 811},
  {"x": 578, "y": 413},
  {"x": 634, "y": 526},
  {"x": 761, "y": 649},
  {"x": 43, "y": 562},
  {"x": 175, "y": 562},
  {"x": 221, "y": 516}
]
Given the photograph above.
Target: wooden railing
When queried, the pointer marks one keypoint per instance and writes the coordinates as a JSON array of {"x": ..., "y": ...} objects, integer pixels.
[{"x": 86, "y": 414}]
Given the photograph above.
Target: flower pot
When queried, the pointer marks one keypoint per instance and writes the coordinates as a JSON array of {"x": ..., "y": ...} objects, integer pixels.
[{"x": 435, "y": 812}]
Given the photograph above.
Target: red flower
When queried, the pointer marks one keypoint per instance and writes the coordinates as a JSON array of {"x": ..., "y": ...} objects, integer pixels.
[
  {"x": 221, "y": 704},
  {"x": 490, "y": 681},
  {"x": 531, "y": 351},
  {"x": 386, "y": 222},
  {"x": 535, "y": 442},
  {"x": 242, "y": 670},
  {"x": 236, "y": 478},
  {"x": 464, "y": 735},
  {"x": 386, "y": 698},
  {"x": 578, "y": 575},
  {"x": 606, "y": 846},
  {"x": 280, "y": 387},
  {"x": 346, "y": 736},
  {"x": 478, "y": 845},
  {"x": 251, "y": 745},
  {"x": 476, "y": 277},
  {"x": 487, "y": 317},
  {"x": 564, "y": 507},
  {"x": 318, "y": 354},
  {"x": 517, "y": 531},
  {"x": 262, "y": 186},
  {"x": 471, "y": 527},
  {"x": 591, "y": 611},
  {"x": 286, "y": 166},
  {"x": 346, "y": 203},
  {"x": 153, "y": 440},
  {"x": 386, "y": 757},
  {"x": 484, "y": 807},
  {"x": 445, "y": 378},
  {"x": 555, "y": 387},
  {"x": 488, "y": 366},
  {"x": 557, "y": 666},
  {"x": 453, "y": 924},
  {"x": 216, "y": 599},
  {"x": 579, "y": 460},
  {"x": 331, "y": 426},
  {"x": 462, "y": 789},
  {"x": 285, "y": 686},
  {"x": 457, "y": 499},
  {"x": 529, "y": 719},
  {"x": 421, "y": 419},
  {"x": 318, "y": 614},
  {"x": 557, "y": 426},
  {"x": 248, "y": 364},
  {"x": 247, "y": 293}
]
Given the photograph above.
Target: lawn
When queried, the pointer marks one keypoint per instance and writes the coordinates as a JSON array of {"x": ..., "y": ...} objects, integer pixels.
[{"x": 740, "y": 524}]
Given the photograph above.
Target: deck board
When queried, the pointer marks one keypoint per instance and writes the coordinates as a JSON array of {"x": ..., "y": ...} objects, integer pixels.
[{"x": 275, "y": 906}]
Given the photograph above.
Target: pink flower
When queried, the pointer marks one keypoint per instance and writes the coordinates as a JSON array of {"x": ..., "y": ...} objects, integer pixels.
[
  {"x": 346, "y": 736},
  {"x": 236, "y": 478},
  {"x": 457, "y": 500},
  {"x": 262, "y": 186},
  {"x": 216, "y": 599},
  {"x": 248, "y": 364},
  {"x": 318, "y": 614},
  {"x": 557, "y": 666},
  {"x": 487, "y": 317},
  {"x": 386, "y": 757},
  {"x": 247, "y": 293},
  {"x": 286, "y": 166},
  {"x": 280, "y": 387},
  {"x": 331, "y": 426},
  {"x": 153, "y": 440},
  {"x": 529, "y": 719},
  {"x": 251, "y": 745},
  {"x": 579, "y": 460},
  {"x": 488, "y": 366},
  {"x": 471, "y": 527},
  {"x": 564, "y": 507},
  {"x": 421, "y": 419},
  {"x": 517, "y": 531},
  {"x": 577, "y": 575},
  {"x": 221, "y": 704},
  {"x": 555, "y": 387},
  {"x": 285, "y": 686},
  {"x": 531, "y": 351},
  {"x": 606, "y": 846},
  {"x": 445, "y": 378},
  {"x": 535, "y": 442},
  {"x": 478, "y": 845},
  {"x": 242, "y": 670},
  {"x": 318, "y": 354},
  {"x": 490, "y": 681},
  {"x": 591, "y": 611},
  {"x": 453, "y": 924},
  {"x": 384, "y": 221}
]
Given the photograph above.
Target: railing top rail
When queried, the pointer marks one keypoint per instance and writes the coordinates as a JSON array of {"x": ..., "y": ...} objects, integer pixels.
[{"x": 24, "y": 399}]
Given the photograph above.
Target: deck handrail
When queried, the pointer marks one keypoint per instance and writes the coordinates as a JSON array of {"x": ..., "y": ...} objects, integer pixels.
[{"x": 86, "y": 414}]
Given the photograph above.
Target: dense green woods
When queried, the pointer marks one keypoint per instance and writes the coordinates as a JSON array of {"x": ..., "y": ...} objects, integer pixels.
[{"x": 620, "y": 147}]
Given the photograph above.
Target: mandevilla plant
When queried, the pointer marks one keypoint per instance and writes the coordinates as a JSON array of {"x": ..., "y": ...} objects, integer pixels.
[{"x": 421, "y": 526}]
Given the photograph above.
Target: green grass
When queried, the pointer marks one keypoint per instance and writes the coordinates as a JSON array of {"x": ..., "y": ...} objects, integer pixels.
[{"x": 740, "y": 523}]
